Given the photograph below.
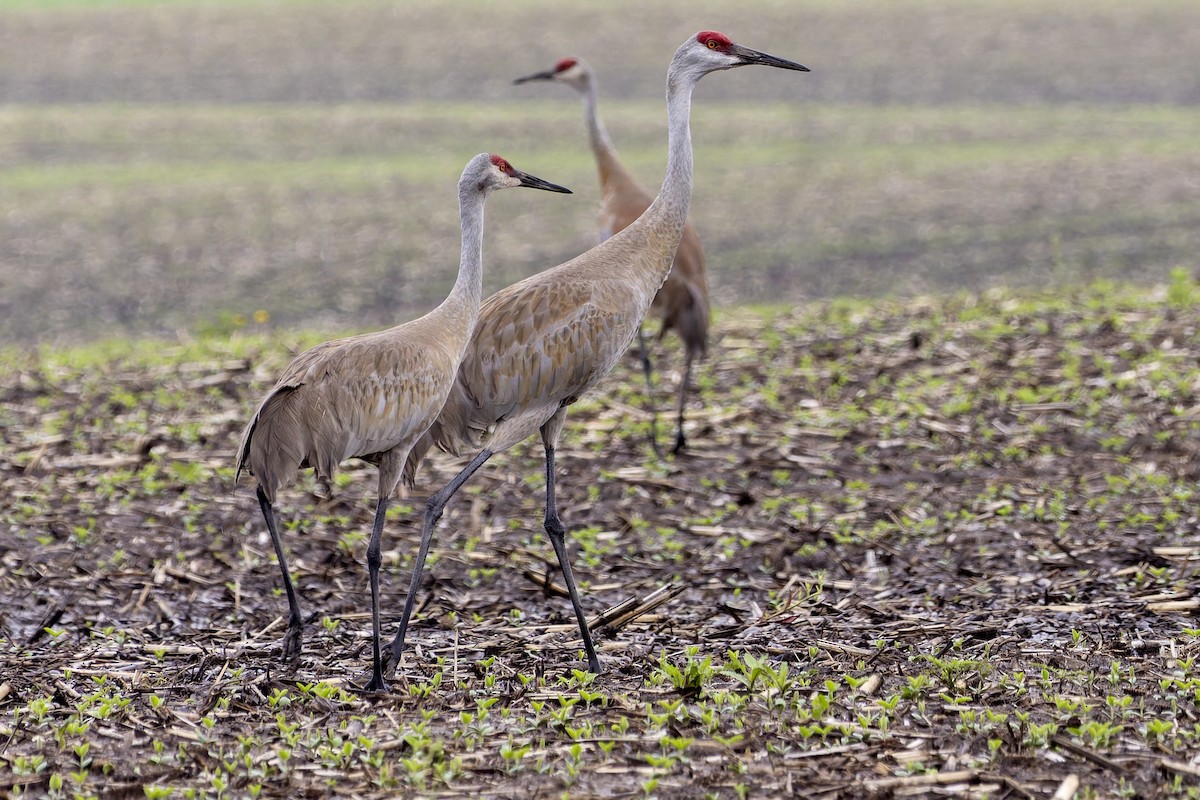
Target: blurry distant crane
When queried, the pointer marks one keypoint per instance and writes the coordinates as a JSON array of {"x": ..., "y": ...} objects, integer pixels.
[
  {"x": 372, "y": 396},
  {"x": 682, "y": 301},
  {"x": 540, "y": 344}
]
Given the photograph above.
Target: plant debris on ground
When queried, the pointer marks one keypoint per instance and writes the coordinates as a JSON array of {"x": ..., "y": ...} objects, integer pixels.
[{"x": 938, "y": 547}]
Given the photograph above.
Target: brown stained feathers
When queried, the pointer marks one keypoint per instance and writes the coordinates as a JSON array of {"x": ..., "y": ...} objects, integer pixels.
[
  {"x": 543, "y": 342},
  {"x": 682, "y": 303}
]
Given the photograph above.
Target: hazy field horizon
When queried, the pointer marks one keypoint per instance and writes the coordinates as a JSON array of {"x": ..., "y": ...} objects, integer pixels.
[{"x": 178, "y": 166}]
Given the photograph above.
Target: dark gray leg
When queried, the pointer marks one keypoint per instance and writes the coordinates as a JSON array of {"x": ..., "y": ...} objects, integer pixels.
[
  {"x": 557, "y": 534},
  {"x": 647, "y": 371},
  {"x": 680, "y": 441},
  {"x": 433, "y": 512},
  {"x": 374, "y": 560},
  {"x": 292, "y": 640}
]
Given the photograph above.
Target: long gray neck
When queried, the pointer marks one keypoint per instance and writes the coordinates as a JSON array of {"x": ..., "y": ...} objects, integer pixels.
[
  {"x": 671, "y": 205},
  {"x": 602, "y": 146},
  {"x": 468, "y": 286}
]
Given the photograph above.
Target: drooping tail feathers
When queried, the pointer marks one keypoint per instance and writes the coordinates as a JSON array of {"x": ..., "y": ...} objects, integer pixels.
[{"x": 276, "y": 443}]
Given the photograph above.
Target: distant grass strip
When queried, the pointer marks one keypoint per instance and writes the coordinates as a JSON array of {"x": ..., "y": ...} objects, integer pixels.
[{"x": 354, "y": 145}]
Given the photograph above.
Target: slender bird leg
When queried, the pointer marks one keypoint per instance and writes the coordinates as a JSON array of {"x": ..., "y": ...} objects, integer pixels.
[
  {"x": 680, "y": 441},
  {"x": 374, "y": 559},
  {"x": 433, "y": 512},
  {"x": 646, "y": 370},
  {"x": 294, "y": 637},
  {"x": 557, "y": 533}
]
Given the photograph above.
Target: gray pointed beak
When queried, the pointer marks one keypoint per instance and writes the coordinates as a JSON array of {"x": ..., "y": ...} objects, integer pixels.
[
  {"x": 749, "y": 56},
  {"x": 544, "y": 75},
  {"x": 534, "y": 182}
]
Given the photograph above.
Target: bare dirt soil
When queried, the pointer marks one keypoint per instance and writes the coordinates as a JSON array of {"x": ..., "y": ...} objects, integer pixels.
[{"x": 944, "y": 549}]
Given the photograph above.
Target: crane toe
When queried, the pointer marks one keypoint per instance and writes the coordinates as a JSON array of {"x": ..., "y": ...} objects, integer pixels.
[
  {"x": 377, "y": 685},
  {"x": 292, "y": 645}
]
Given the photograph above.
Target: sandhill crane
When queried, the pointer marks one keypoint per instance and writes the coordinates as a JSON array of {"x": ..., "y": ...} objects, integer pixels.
[
  {"x": 682, "y": 301},
  {"x": 372, "y": 396},
  {"x": 543, "y": 342}
]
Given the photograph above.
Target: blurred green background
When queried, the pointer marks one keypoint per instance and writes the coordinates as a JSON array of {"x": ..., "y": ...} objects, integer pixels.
[{"x": 171, "y": 167}]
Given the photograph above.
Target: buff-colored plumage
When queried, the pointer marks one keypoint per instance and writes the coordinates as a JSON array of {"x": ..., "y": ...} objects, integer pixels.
[
  {"x": 541, "y": 344},
  {"x": 372, "y": 396},
  {"x": 681, "y": 303},
  {"x": 361, "y": 397},
  {"x": 544, "y": 342}
]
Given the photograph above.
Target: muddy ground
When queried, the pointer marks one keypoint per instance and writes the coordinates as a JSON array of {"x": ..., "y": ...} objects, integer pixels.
[{"x": 947, "y": 548}]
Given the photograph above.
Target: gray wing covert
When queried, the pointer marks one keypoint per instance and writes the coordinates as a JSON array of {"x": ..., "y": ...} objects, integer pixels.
[
  {"x": 382, "y": 396},
  {"x": 542, "y": 345}
]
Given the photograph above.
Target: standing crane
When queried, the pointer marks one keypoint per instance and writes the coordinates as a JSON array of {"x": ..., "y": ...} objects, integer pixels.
[
  {"x": 682, "y": 301},
  {"x": 372, "y": 396},
  {"x": 542, "y": 343}
]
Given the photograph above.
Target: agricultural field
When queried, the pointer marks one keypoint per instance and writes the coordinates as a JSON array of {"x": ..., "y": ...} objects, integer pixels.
[
  {"x": 936, "y": 532},
  {"x": 944, "y": 547}
]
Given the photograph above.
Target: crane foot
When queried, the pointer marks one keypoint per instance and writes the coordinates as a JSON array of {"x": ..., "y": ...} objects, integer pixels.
[
  {"x": 377, "y": 685},
  {"x": 292, "y": 642}
]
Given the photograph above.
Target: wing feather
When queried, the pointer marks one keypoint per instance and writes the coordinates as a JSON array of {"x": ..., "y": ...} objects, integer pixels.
[
  {"x": 537, "y": 345},
  {"x": 354, "y": 397}
]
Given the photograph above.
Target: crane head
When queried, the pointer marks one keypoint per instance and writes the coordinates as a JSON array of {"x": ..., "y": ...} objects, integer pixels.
[
  {"x": 709, "y": 51},
  {"x": 502, "y": 174},
  {"x": 572, "y": 71}
]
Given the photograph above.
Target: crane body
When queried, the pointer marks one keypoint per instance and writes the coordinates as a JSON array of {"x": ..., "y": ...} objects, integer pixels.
[
  {"x": 682, "y": 302},
  {"x": 542, "y": 343},
  {"x": 372, "y": 396}
]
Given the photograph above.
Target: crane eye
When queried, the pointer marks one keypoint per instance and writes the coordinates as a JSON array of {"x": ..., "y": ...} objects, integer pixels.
[{"x": 712, "y": 44}]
